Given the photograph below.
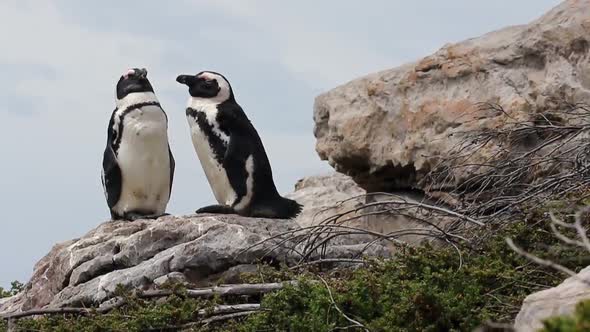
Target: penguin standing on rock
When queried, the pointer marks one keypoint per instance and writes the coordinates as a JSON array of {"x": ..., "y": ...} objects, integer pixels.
[
  {"x": 137, "y": 167},
  {"x": 231, "y": 152}
]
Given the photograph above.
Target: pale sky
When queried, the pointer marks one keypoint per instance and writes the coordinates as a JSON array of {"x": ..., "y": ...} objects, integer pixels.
[{"x": 60, "y": 61}]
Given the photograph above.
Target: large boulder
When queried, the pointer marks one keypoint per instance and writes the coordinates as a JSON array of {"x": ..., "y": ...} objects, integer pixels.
[
  {"x": 388, "y": 129},
  {"x": 556, "y": 301},
  {"x": 323, "y": 196},
  {"x": 145, "y": 253}
]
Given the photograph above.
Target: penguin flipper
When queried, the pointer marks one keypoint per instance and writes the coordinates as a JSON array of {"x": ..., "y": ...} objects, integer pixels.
[
  {"x": 234, "y": 119},
  {"x": 216, "y": 209},
  {"x": 234, "y": 163},
  {"x": 111, "y": 177},
  {"x": 172, "y": 166}
]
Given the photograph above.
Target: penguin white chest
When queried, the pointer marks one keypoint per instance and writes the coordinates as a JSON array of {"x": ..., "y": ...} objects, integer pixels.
[
  {"x": 144, "y": 160},
  {"x": 204, "y": 147}
]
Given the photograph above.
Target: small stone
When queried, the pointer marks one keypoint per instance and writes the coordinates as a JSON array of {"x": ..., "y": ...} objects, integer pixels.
[{"x": 174, "y": 277}]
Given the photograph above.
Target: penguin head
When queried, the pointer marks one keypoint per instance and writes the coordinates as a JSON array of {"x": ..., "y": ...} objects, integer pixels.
[
  {"x": 207, "y": 85},
  {"x": 133, "y": 80}
]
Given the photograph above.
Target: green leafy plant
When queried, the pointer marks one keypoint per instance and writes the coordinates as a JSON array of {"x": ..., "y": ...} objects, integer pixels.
[
  {"x": 15, "y": 287},
  {"x": 136, "y": 315},
  {"x": 423, "y": 289},
  {"x": 578, "y": 322}
]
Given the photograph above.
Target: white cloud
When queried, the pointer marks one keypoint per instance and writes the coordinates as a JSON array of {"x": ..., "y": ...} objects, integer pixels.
[{"x": 86, "y": 60}]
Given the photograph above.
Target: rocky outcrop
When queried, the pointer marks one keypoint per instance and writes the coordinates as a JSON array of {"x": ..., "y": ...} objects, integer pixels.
[
  {"x": 556, "y": 301},
  {"x": 195, "y": 249},
  {"x": 198, "y": 249},
  {"x": 323, "y": 196},
  {"x": 388, "y": 129},
  {"x": 335, "y": 194}
]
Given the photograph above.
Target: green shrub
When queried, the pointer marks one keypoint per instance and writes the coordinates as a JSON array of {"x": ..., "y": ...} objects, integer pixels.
[
  {"x": 136, "y": 315},
  {"x": 578, "y": 322},
  {"x": 15, "y": 287},
  {"x": 423, "y": 289}
]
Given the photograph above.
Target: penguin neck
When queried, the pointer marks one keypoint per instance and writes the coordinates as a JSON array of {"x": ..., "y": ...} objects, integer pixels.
[
  {"x": 136, "y": 98},
  {"x": 200, "y": 103}
]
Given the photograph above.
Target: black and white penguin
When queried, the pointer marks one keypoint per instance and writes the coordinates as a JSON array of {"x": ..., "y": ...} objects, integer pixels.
[
  {"x": 137, "y": 166},
  {"x": 231, "y": 152}
]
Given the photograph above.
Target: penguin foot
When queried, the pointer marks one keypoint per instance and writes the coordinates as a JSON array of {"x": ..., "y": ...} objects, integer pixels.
[
  {"x": 217, "y": 209},
  {"x": 132, "y": 216}
]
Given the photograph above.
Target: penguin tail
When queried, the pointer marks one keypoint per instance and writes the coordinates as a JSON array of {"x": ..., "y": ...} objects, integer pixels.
[
  {"x": 289, "y": 208},
  {"x": 278, "y": 208}
]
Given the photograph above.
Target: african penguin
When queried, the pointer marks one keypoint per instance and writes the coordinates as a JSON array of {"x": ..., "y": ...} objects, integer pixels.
[
  {"x": 231, "y": 152},
  {"x": 137, "y": 166}
]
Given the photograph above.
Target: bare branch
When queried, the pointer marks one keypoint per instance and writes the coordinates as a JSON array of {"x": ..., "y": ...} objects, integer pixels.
[
  {"x": 544, "y": 262},
  {"x": 580, "y": 229},
  {"x": 434, "y": 208},
  {"x": 229, "y": 309},
  {"x": 49, "y": 311},
  {"x": 222, "y": 290}
]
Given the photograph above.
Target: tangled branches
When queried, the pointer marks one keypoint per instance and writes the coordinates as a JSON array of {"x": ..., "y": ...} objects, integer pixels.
[
  {"x": 493, "y": 172},
  {"x": 343, "y": 237}
]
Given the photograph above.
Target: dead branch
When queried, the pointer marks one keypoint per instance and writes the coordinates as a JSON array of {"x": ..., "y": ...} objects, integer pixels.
[
  {"x": 581, "y": 233},
  {"x": 555, "y": 144},
  {"x": 49, "y": 311},
  {"x": 580, "y": 229},
  {"x": 229, "y": 309},
  {"x": 434, "y": 208},
  {"x": 222, "y": 290},
  {"x": 544, "y": 262}
]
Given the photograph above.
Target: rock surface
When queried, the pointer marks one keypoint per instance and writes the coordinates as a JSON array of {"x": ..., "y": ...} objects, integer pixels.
[
  {"x": 197, "y": 248},
  {"x": 389, "y": 128},
  {"x": 559, "y": 300},
  {"x": 334, "y": 194},
  {"x": 322, "y": 196}
]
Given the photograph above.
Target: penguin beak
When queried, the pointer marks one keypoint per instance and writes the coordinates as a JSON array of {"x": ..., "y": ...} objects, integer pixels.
[{"x": 186, "y": 79}]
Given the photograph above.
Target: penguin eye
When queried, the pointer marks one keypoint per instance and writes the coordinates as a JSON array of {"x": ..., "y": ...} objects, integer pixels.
[{"x": 208, "y": 84}]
